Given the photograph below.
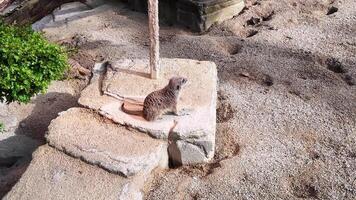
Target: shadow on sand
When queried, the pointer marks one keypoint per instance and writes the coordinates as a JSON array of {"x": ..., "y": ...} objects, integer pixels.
[{"x": 16, "y": 151}]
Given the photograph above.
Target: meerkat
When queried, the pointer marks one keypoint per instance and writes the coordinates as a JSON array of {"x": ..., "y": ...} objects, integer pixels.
[{"x": 161, "y": 101}]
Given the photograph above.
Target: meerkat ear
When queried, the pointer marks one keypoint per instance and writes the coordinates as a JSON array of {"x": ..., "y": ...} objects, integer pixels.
[{"x": 178, "y": 87}]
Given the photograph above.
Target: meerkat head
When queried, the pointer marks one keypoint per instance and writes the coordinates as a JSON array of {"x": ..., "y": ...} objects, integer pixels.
[{"x": 176, "y": 83}]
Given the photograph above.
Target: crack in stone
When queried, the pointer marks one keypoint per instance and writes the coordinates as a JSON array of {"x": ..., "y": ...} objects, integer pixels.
[
  {"x": 124, "y": 171},
  {"x": 174, "y": 137},
  {"x": 200, "y": 146}
]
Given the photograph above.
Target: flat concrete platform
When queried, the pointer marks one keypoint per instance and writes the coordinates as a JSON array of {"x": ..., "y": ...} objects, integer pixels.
[
  {"x": 84, "y": 134},
  {"x": 54, "y": 175},
  {"x": 191, "y": 136}
]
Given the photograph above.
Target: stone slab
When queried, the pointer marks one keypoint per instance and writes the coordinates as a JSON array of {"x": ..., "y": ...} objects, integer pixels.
[
  {"x": 135, "y": 73},
  {"x": 92, "y": 98},
  {"x": 10, "y": 8},
  {"x": 54, "y": 175},
  {"x": 69, "y": 10},
  {"x": 62, "y": 13},
  {"x": 128, "y": 79},
  {"x": 158, "y": 129},
  {"x": 95, "y": 3},
  {"x": 200, "y": 15},
  {"x": 41, "y": 24},
  {"x": 84, "y": 134}
]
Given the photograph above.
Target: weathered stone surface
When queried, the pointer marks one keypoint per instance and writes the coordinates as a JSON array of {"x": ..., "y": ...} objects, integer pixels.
[
  {"x": 69, "y": 10},
  {"x": 5, "y": 3},
  {"x": 157, "y": 129},
  {"x": 30, "y": 11},
  {"x": 86, "y": 135},
  {"x": 95, "y": 3},
  {"x": 72, "y": 12},
  {"x": 54, "y": 175},
  {"x": 40, "y": 24},
  {"x": 128, "y": 79},
  {"x": 198, "y": 15},
  {"x": 197, "y": 93},
  {"x": 8, "y": 7},
  {"x": 91, "y": 96}
]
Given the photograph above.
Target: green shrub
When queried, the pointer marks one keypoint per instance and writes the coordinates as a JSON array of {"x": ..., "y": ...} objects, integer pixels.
[
  {"x": 2, "y": 127},
  {"x": 28, "y": 63}
]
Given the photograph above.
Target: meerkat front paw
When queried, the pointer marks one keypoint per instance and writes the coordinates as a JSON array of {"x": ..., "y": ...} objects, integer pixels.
[{"x": 182, "y": 112}]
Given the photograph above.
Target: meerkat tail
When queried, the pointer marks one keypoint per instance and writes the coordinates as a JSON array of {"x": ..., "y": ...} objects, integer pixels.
[{"x": 134, "y": 110}]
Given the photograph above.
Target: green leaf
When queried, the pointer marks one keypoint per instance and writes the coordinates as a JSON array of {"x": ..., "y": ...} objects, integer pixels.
[{"x": 28, "y": 63}]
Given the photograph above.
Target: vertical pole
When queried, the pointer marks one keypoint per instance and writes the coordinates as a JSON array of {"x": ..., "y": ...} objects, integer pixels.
[{"x": 153, "y": 26}]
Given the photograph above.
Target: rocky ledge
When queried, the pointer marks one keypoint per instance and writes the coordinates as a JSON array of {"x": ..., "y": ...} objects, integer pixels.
[{"x": 191, "y": 137}]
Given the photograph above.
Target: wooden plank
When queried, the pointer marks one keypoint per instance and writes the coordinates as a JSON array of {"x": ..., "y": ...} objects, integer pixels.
[{"x": 153, "y": 25}]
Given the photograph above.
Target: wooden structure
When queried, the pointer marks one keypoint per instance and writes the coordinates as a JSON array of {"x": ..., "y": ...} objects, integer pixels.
[{"x": 153, "y": 25}]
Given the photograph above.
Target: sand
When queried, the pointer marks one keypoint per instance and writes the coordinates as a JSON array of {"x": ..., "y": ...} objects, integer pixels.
[{"x": 287, "y": 96}]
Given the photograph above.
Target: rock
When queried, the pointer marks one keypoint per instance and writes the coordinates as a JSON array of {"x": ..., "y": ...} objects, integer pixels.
[
  {"x": 30, "y": 11},
  {"x": 127, "y": 79},
  {"x": 99, "y": 68},
  {"x": 183, "y": 152},
  {"x": 200, "y": 15},
  {"x": 197, "y": 15},
  {"x": 332, "y": 10},
  {"x": 83, "y": 134},
  {"x": 54, "y": 175},
  {"x": 91, "y": 96},
  {"x": 95, "y": 3},
  {"x": 157, "y": 129},
  {"x": 41, "y": 24},
  {"x": 8, "y": 6},
  {"x": 69, "y": 10},
  {"x": 5, "y": 3}
]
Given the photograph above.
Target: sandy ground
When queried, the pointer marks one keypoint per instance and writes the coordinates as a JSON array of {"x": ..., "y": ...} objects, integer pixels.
[
  {"x": 31, "y": 122},
  {"x": 287, "y": 96}
]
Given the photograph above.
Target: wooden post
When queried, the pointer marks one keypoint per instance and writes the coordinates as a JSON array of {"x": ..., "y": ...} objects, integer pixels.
[{"x": 153, "y": 26}]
